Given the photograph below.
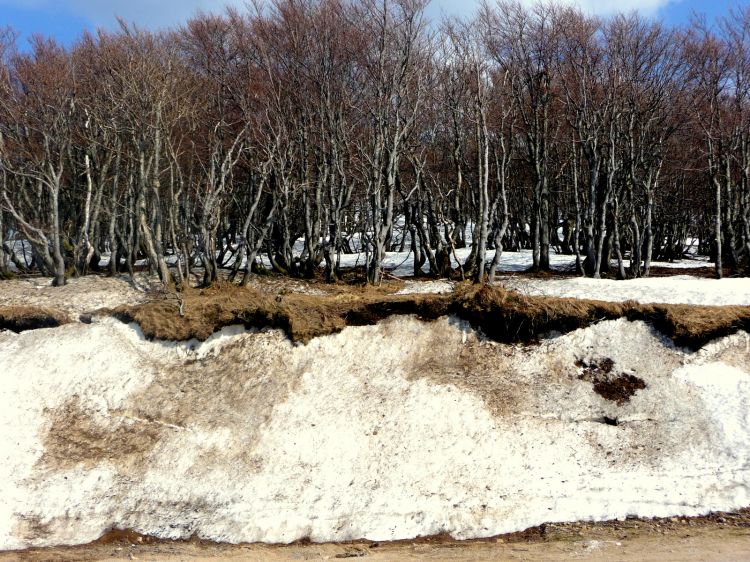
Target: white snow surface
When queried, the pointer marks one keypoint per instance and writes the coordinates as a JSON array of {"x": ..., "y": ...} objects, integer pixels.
[
  {"x": 401, "y": 264},
  {"x": 675, "y": 289},
  {"x": 382, "y": 432}
]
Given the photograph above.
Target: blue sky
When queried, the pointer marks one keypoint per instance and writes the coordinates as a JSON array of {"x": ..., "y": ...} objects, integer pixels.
[{"x": 65, "y": 19}]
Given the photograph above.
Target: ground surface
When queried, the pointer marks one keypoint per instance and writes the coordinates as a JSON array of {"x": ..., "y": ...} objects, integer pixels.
[
  {"x": 718, "y": 538},
  {"x": 80, "y": 295},
  {"x": 103, "y": 428}
]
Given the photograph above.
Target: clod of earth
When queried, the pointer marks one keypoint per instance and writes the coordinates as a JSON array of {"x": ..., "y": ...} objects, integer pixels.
[{"x": 615, "y": 387}]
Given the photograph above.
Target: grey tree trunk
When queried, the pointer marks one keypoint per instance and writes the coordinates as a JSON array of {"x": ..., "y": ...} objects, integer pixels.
[{"x": 717, "y": 229}]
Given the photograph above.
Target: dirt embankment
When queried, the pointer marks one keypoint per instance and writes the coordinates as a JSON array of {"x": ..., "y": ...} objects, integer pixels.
[
  {"x": 22, "y": 318},
  {"x": 503, "y": 315},
  {"x": 306, "y": 310}
]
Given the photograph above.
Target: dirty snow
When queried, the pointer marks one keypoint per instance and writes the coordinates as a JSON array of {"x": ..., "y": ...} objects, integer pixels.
[
  {"x": 382, "y": 432},
  {"x": 80, "y": 295},
  {"x": 677, "y": 289},
  {"x": 439, "y": 286}
]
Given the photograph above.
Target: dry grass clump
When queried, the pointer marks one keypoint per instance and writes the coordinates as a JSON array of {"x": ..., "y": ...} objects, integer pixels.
[
  {"x": 200, "y": 313},
  {"x": 508, "y": 316},
  {"x": 694, "y": 326},
  {"x": 21, "y": 318},
  {"x": 301, "y": 316},
  {"x": 503, "y": 315}
]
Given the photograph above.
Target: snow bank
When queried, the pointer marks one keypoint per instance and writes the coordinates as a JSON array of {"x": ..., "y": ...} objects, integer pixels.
[
  {"x": 678, "y": 289},
  {"x": 381, "y": 432}
]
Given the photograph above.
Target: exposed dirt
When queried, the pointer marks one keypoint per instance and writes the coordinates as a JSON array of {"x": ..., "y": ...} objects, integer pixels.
[
  {"x": 610, "y": 386},
  {"x": 302, "y": 316},
  {"x": 707, "y": 272},
  {"x": 22, "y": 318},
  {"x": 75, "y": 436},
  {"x": 305, "y": 309},
  {"x": 471, "y": 366},
  {"x": 716, "y": 537}
]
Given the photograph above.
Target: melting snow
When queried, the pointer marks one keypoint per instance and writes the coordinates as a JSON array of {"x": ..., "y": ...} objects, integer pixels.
[
  {"x": 439, "y": 286},
  {"x": 382, "y": 432},
  {"x": 676, "y": 289}
]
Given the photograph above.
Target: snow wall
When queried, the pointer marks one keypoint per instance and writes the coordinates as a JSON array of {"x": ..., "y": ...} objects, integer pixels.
[{"x": 383, "y": 432}]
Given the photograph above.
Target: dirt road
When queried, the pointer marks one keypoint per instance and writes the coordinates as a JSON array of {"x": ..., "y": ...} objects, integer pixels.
[{"x": 720, "y": 537}]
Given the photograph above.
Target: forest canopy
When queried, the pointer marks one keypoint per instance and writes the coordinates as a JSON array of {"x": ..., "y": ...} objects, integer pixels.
[{"x": 301, "y": 130}]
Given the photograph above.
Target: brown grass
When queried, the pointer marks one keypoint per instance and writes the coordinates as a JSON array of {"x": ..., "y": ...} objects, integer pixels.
[
  {"x": 503, "y": 315},
  {"x": 21, "y": 318},
  {"x": 301, "y": 316}
]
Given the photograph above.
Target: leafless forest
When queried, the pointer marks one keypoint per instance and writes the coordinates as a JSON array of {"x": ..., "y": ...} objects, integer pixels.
[{"x": 361, "y": 126}]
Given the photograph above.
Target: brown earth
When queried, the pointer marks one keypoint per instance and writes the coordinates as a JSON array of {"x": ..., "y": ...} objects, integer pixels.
[
  {"x": 717, "y": 537},
  {"x": 617, "y": 387}
]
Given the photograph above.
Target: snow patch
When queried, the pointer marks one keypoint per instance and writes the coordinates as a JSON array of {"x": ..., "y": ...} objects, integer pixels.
[
  {"x": 440, "y": 286},
  {"x": 80, "y": 295},
  {"x": 678, "y": 289}
]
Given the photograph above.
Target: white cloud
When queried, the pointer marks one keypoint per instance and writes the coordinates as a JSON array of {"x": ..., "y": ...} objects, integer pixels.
[
  {"x": 600, "y": 7},
  {"x": 606, "y": 7}
]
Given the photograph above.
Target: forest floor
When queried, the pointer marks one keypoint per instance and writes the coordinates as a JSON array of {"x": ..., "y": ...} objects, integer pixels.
[{"x": 719, "y": 537}]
